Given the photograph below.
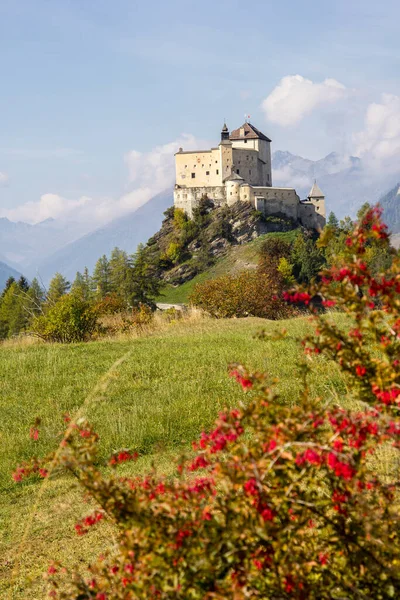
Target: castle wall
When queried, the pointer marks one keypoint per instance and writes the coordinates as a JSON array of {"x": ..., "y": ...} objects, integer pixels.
[
  {"x": 188, "y": 198},
  {"x": 272, "y": 201},
  {"x": 194, "y": 169},
  {"x": 309, "y": 217}
]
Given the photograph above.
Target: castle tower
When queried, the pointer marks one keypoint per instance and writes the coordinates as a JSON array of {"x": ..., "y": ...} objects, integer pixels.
[
  {"x": 224, "y": 133},
  {"x": 317, "y": 198}
]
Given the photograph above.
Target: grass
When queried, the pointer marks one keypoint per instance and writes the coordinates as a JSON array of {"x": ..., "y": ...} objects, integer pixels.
[
  {"x": 170, "y": 386},
  {"x": 237, "y": 259}
]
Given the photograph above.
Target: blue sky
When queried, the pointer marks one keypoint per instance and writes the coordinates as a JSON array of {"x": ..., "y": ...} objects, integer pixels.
[{"x": 87, "y": 84}]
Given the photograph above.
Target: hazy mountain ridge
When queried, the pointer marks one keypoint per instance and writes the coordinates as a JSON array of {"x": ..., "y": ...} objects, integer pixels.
[
  {"x": 5, "y": 272},
  {"x": 390, "y": 203},
  {"x": 23, "y": 244},
  {"x": 345, "y": 181},
  {"x": 126, "y": 232}
]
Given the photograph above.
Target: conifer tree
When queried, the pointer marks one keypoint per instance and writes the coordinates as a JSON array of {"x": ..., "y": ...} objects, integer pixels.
[
  {"x": 8, "y": 284},
  {"x": 145, "y": 284},
  {"x": 332, "y": 221},
  {"x": 81, "y": 285},
  {"x": 57, "y": 288},
  {"x": 13, "y": 316},
  {"x": 23, "y": 284},
  {"x": 35, "y": 298},
  {"x": 120, "y": 274},
  {"x": 101, "y": 278}
]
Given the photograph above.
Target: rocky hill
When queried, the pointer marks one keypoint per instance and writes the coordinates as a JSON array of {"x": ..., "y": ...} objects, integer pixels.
[{"x": 183, "y": 248}]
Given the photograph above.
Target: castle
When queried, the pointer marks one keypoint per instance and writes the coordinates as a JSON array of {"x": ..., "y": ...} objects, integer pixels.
[{"x": 239, "y": 169}]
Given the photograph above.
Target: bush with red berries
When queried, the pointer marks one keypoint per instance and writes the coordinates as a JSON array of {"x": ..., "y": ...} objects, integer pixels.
[{"x": 276, "y": 501}]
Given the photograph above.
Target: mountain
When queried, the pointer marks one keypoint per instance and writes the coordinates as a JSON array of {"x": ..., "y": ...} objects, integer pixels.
[
  {"x": 22, "y": 244},
  {"x": 125, "y": 232},
  {"x": 390, "y": 203},
  {"x": 5, "y": 272},
  {"x": 346, "y": 182}
]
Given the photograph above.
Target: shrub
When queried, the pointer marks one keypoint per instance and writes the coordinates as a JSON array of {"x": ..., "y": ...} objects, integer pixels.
[
  {"x": 70, "y": 319},
  {"x": 249, "y": 293},
  {"x": 110, "y": 305},
  {"x": 174, "y": 252},
  {"x": 278, "y": 501}
]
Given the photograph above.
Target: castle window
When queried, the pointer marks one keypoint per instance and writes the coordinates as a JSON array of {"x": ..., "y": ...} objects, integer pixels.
[
  {"x": 207, "y": 172},
  {"x": 185, "y": 166},
  {"x": 267, "y": 177},
  {"x": 193, "y": 175},
  {"x": 245, "y": 141},
  {"x": 202, "y": 165},
  {"x": 217, "y": 172},
  {"x": 249, "y": 171},
  {"x": 237, "y": 171},
  {"x": 216, "y": 161}
]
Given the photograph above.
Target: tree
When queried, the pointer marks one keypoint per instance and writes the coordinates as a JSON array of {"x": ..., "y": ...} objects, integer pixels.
[
  {"x": 58, "y": 287},
  {"x": 13, "y": 316},
  {"x": 81, "y": 285},
  {"x": 145, "y": 285},
  {"x": 101, "y": 278},
  {"x": 23, "y": 284},
  {"x": 120, "y": 271},
  {"x": 307, "y": 259},
  {"x": 332, "y": 221},
  {"x": 8, "y": 284},
  {"x": 35, "y": 298}
]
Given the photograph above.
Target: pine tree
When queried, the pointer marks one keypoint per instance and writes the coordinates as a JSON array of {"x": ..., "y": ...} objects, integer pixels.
[
  {"x": 57, "y": 288},
  {"x": 13, "y": 316},
  {"x": 8, "y": 284},
  {"x": 332, "y": 221},
  {"x": 35, "y": 298},
  {"x": 145, "y": 284},
  {"x": 23, "y": 284},
  {"x": 101, "y": 278},
  {"x": 120, "y": 274},
  {"x": 81, "y": 285}
]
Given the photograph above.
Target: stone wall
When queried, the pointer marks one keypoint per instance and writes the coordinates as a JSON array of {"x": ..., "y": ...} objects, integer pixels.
[{"x": 281, "y": 202}]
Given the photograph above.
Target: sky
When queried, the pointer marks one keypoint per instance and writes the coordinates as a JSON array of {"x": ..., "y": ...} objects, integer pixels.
[{"x": 97, "y": 95}]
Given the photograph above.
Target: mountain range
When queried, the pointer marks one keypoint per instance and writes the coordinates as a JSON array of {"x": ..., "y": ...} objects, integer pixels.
[{"x": 44, "y": 248}]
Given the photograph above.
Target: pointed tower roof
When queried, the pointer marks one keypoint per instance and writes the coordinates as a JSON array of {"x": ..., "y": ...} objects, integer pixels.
[
  {"x": 249, "y": 132},
  {"x": 315, "y": 191}
]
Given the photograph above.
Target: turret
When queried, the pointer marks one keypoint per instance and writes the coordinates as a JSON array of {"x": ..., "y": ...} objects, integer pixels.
[
  {"x": 224, "y": 133},
  {"x": 317, "y": 198}
]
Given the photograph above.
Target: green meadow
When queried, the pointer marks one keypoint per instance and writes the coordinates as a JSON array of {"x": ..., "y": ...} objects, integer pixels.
[{"x": 153, "y": 393}]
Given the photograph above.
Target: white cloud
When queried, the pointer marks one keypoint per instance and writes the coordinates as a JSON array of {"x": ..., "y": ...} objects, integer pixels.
[
  {"x": 295, "y": 97},
  {"x": 149, "y": 173},
  {"x": 286, "y": 176},
  {"x": 3, "y": 178},
  {"x": 379, "y": 143}
]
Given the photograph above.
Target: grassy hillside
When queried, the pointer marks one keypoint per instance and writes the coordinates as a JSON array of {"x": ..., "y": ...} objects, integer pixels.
[
  {"x": 164, "y": 390},
  {"x": 237, "y": 258}
]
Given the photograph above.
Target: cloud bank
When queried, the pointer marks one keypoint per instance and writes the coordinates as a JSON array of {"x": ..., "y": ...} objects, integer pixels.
[
  {"x": 149, "y": 173},
  {"x": 379, "y": 142}
]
